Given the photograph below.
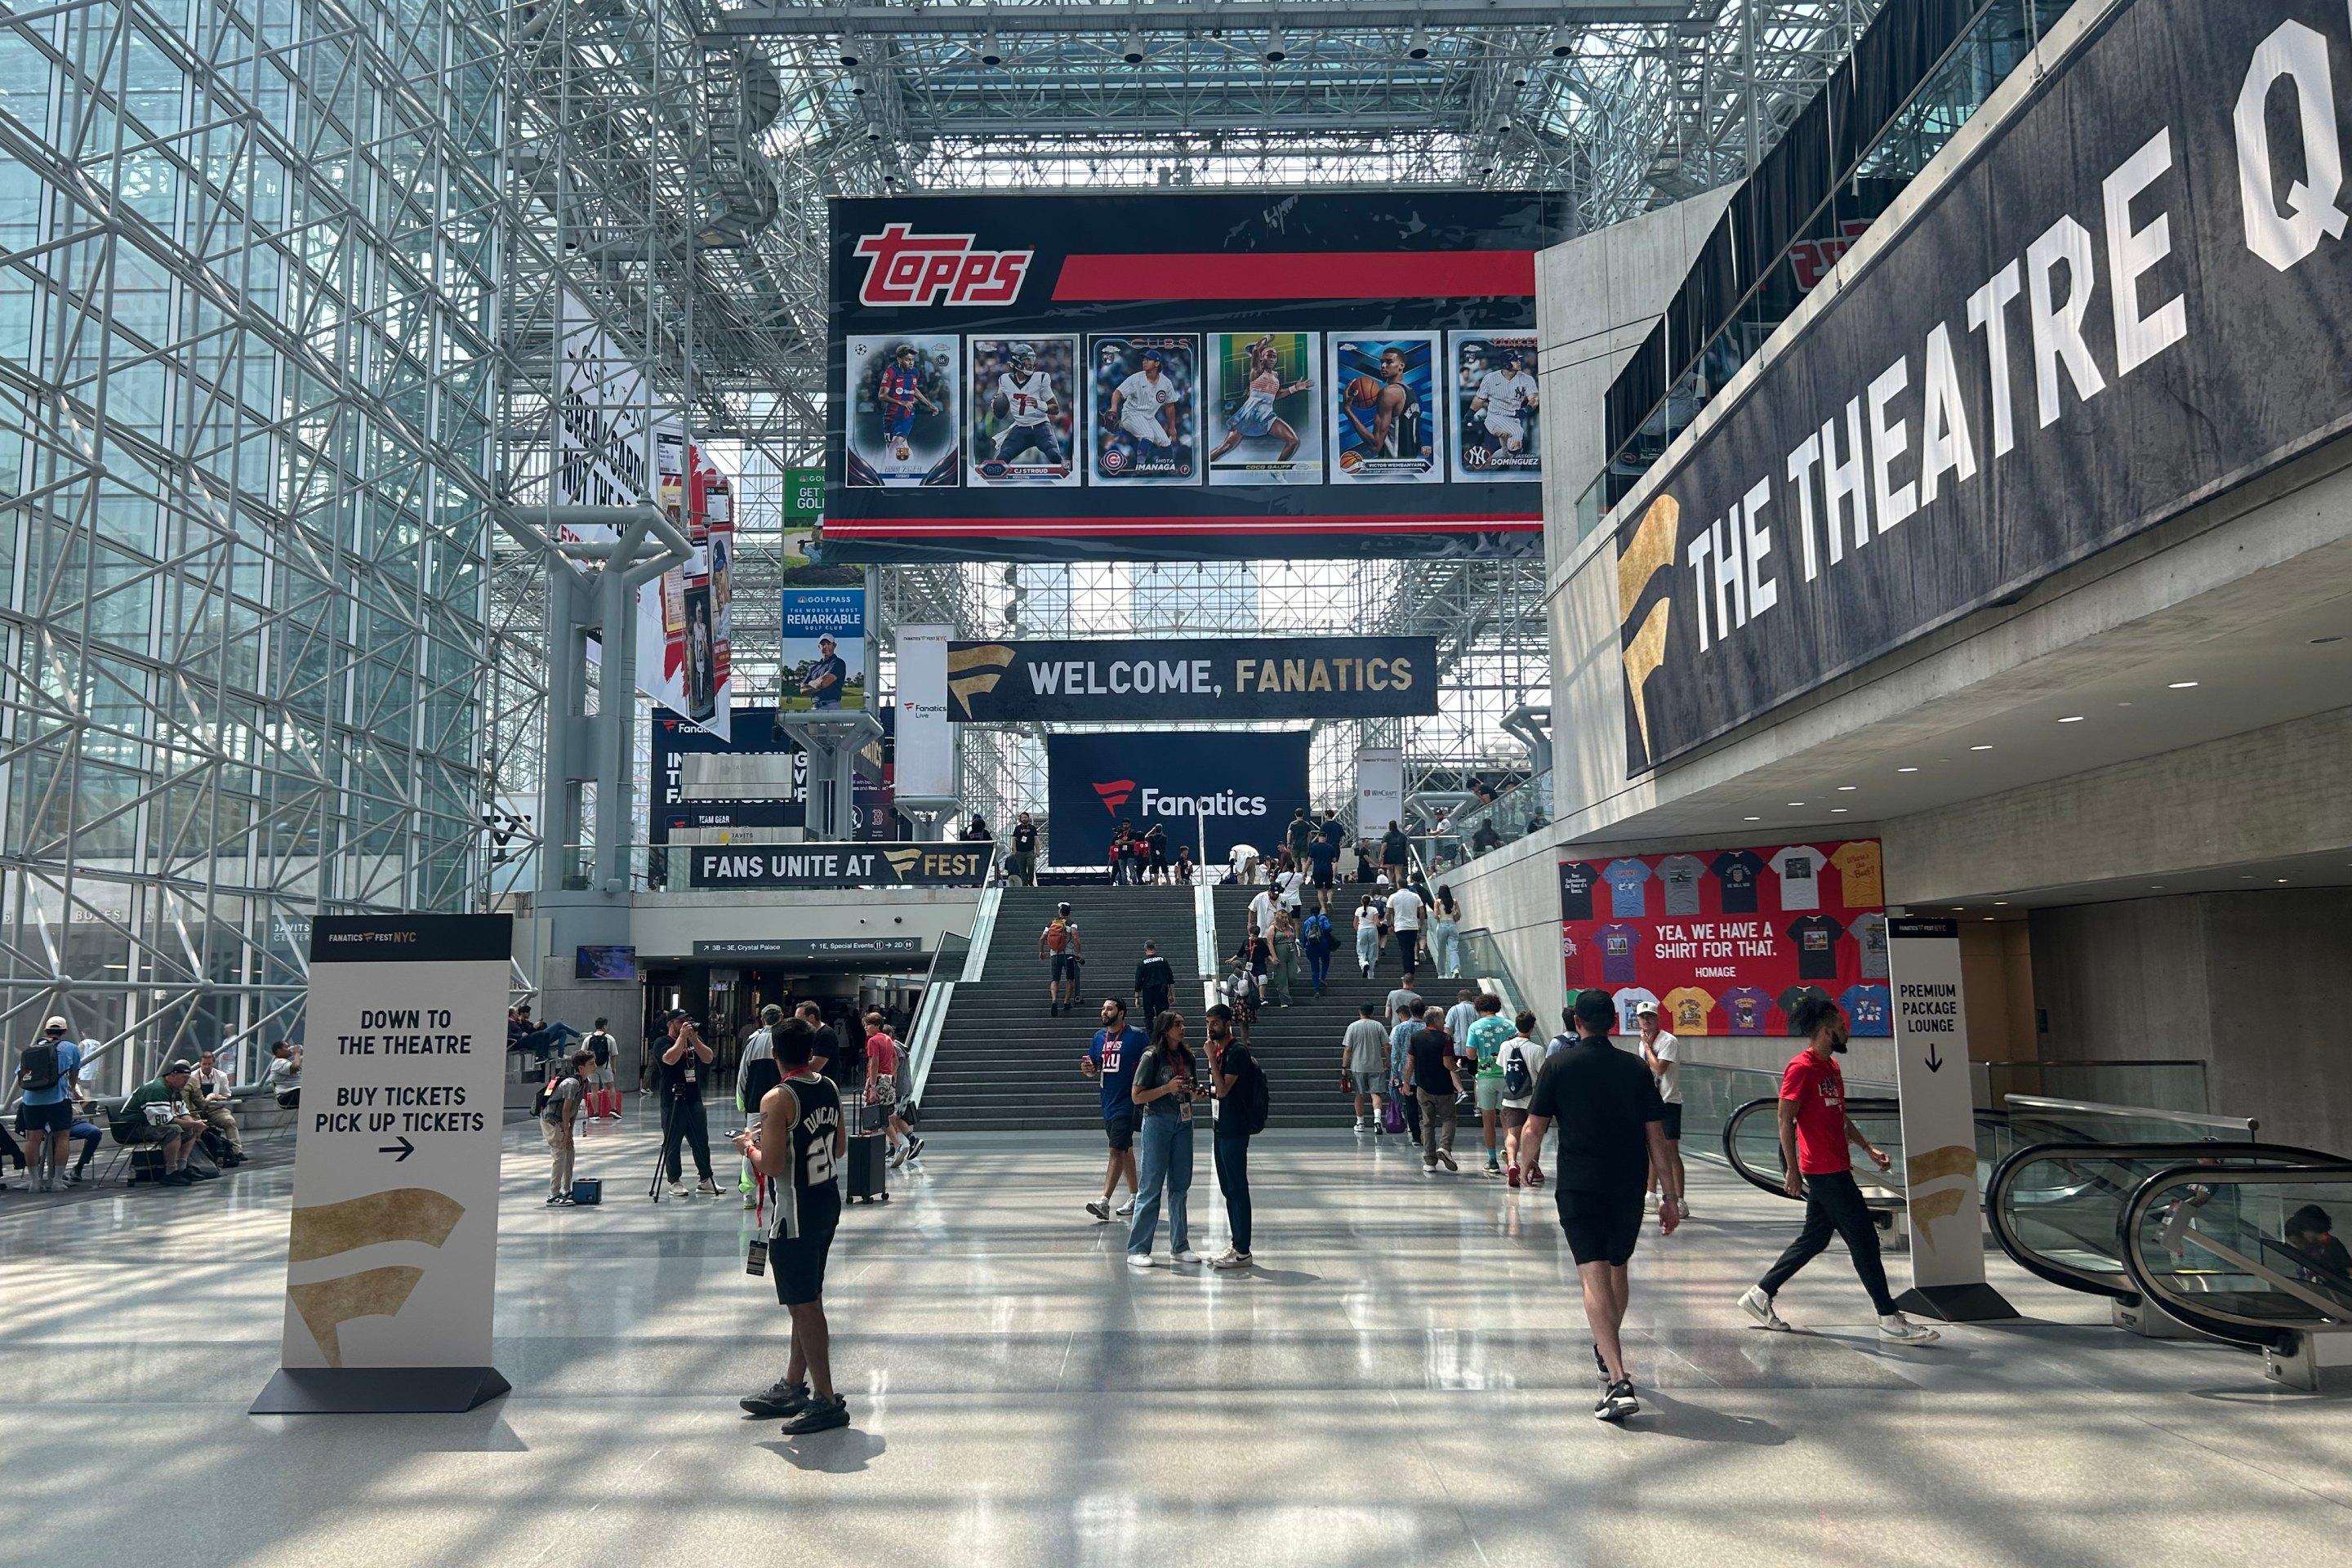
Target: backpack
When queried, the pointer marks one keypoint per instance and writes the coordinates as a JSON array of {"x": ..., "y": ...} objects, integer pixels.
[
  {"x": 538, "y": 1102},
  {"x": 599, "y": 1045},
  {"x": 1057, "y": 936},
  {"x": 1319, "y": 928},
  {"x": 1517, "y": 1082},
  {"x": 38, "y": 1065},
  {"x": 1256, "y": 1100}
]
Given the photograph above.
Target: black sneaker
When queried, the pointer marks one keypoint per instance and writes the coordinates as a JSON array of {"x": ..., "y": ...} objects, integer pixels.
[
  {"x": 914, "y": 1147},
  {"x": 780, "y": 1398},
  {"x": 1617, "y": 1402},
  {"x": 176, "y": 1179},
  {"x": 819, "y": 1417}
]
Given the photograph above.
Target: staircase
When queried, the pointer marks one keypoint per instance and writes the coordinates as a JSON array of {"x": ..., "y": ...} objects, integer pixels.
[{"x": 1003, "y": 1064}]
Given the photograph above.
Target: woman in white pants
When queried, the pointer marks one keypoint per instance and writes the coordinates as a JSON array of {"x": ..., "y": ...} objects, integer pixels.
[{"x": 1367, "y": 935}]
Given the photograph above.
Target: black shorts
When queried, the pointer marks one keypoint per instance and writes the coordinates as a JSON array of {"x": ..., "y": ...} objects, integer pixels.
[
  {"x": 1673, "y": 1123},
  {"x": 798, "y": 1263},
  {"x": 1602, "y": 1227},
  {"x": 1322, "y": 876},
  {"x": 1120, "y": 1131},
  {"x": 54, "y": 1118},
  {"x": 1065, "y": 967}
]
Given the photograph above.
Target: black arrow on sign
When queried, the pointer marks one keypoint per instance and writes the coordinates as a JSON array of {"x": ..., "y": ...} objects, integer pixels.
[
  {"x": 1935, "y": 1064},
  {"x": 399, "y": 1152}
]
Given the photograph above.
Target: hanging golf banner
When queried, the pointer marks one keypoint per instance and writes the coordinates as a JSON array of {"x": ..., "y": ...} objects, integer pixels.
[
  {"x": 1945, "y": 1204},
  {"x": 393, "y": 1252}
]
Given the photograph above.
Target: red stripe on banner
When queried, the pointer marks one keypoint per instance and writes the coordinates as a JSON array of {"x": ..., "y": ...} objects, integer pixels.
[
  {"x": 1302, "y": 274},
  {"x": 1517, "y": 522}
]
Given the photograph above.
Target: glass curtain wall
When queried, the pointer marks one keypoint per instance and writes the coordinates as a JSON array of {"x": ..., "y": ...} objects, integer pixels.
[{"x": 248, "y": 295}]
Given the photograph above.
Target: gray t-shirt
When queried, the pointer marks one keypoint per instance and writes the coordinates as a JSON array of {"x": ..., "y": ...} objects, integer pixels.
[
  {"x": 563, "y": 1106},
  {"x": 1402, "y": 998},
  {"x": 1367, "y": 1046},
  {"x": 1682, "y": 874}
]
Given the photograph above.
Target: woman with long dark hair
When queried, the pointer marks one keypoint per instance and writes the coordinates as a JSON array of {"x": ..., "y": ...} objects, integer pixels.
[
  {"x": 1163, "y": 1092},
  {"x": 1444, "y": 940}
]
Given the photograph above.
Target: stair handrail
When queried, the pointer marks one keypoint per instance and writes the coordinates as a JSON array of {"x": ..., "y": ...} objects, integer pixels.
[{"x": 983, "y": 932}]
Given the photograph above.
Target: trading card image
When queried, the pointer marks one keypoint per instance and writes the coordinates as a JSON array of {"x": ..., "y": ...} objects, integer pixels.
[
  {"x": 1265, "y": 414},
  {"x": 1497, "y": 428},
  {"x": 1142, "y": 414},
  {"x": 1382, "y": 394},
  {"x": 904, "y": 409},
  {"x": 1021, "y": 403}
]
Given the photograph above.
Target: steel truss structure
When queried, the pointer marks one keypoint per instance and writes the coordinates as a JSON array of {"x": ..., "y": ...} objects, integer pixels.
[{"x": 281, "y": 290}]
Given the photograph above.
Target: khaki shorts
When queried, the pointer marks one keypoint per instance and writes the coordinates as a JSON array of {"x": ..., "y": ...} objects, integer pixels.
[{"x": 1489, "y": 1092}]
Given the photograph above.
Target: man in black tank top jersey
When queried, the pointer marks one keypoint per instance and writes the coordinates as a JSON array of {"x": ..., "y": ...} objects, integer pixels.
[{"x": 799, "y": 1142}]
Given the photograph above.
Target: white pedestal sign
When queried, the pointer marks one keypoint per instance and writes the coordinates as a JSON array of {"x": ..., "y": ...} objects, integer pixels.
[
  {"x": 392, "y": 1252},
  {"x": 1945, "y": 1204}
]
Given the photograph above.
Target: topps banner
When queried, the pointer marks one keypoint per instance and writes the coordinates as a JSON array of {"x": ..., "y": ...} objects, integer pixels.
[
  {"x": 1173, "y": 377},
  {"x": 1727, "y": 942},
  {"x": 2133, "y": 297},
  {"x": 1122, "y": 681}
]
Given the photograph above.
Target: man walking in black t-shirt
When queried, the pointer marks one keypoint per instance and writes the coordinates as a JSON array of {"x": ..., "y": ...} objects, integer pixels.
[
  {"x": 1021, "y": 866},
  {"x": 1429, "y": 1058},
  {"x": 795, "y": 1150},
  {"x": 1611, "y": 1129},
  {"x": 1155, "y": 982}
]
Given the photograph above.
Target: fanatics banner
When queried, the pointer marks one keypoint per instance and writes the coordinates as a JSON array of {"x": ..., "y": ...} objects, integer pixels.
[
  {"x": 1239, "y": 679},
  {"x": 1726, "y": 941},
  {"x": 1118, "y": 376},
  {"x": 1200, "y": 788},
  {"x": 2135, "y": 295}
]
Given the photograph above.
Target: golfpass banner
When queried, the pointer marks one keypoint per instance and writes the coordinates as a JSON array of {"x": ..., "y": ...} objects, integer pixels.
[
  {"x": 1240, "y": 679},
  {"x": 393, "y": 1252}
]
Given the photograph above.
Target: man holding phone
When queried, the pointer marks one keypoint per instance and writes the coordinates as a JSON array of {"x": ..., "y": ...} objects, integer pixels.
[
  {"x": 684, "y": 1067},
  {"x": 1111, "y": 1056}
]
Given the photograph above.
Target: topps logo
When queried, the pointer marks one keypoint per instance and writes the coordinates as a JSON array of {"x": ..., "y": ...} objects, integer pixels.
[{"x": 909, "y": 269}]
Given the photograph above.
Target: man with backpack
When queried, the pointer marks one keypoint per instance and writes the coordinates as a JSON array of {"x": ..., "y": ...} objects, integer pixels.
[
  {"x": 1242, "y": 1102},
  {"x": 45, "y": 1075},
  {"x": 604, "y": 1088},
  {"x": 1061, "y": 944},
  {"x": 1316, "y": 938}
]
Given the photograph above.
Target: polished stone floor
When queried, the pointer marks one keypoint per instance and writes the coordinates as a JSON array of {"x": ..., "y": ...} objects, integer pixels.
[{"x": 1404, "y": 1380}]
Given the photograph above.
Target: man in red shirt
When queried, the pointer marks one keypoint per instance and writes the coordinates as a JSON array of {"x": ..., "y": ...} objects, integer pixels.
[{"x": 1814, "y": 1135}]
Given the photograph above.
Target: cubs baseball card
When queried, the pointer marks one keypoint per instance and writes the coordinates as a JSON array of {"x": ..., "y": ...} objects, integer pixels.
[
  {"x": 1497, "y": 428},
  {"x": 1264, "y": 415},
  {"x": 1382, "y": 393},
  {"x": 1143, "y": 414},
  {"x": 1021, "y": 410},
  {"x": 904, "y": 411}
]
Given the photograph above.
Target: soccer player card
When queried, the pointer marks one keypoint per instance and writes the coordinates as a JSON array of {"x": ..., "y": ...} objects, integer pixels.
[
  {"x": 1143, "y": 422},
  {"x": 1020, "y": 406},
  {"x": 1496, "y": 427},
  {"x": 1265, "y": 414},
  {"x": 903, "y": 410},
  {"x": 1382, "y": 393}
]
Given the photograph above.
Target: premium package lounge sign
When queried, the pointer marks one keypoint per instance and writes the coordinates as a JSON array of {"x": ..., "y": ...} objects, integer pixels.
[
  {"x": 875, "y": 864},
  {"x": 1237, "y": 678},
  {"x": 393, "y": 1252},
  {"x": 2134, "y": 297},
  {"x": 1945, "y": 1204}
]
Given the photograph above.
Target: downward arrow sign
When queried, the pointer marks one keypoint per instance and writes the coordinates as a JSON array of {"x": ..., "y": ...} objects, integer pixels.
[
  {"x": 1934, "y": 1062},
  {"x": 399, "y": 1152}
]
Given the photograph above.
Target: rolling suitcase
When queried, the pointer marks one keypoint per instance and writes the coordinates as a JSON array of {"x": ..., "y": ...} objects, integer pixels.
[{"x": 868, "y": 1168}]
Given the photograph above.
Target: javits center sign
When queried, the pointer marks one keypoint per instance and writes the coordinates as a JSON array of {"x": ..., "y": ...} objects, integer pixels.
[
  {"x": 1243, "y": 787},
  {"x": 1239, "y": 679},
  {"x": 2135, "y": 295},
  {"x": 1231, "y": 375},
  {"x": 746, "y": 866}
]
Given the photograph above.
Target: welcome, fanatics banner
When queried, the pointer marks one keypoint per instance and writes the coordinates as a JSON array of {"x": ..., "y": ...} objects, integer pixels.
[{"x": 1726, "y": 941}]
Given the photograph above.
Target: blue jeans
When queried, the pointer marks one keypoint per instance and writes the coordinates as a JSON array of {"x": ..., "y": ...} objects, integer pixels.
[
  {"x": 1166, "y": 1161},
  {"x": 1318, "y": 965},
  {"x": 1446, "y": 948}
]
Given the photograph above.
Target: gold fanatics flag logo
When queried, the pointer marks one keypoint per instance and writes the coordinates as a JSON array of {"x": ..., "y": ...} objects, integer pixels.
[
  {"x": 1649, "y": 551},
  {"x": 329, "y": 1230},
  {"x": 975, "y": 671},
  {"x": 902, "y": 860}
]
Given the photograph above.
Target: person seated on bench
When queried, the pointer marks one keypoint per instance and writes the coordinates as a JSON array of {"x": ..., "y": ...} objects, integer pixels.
[
  {"x": 155, "y": 1113},
  {"x": 285, "y": 1079},
  {"x": 87, "y": 1126},
  {"x": 207, "y": 1101},
  {"x": 522, "y": 1035}
]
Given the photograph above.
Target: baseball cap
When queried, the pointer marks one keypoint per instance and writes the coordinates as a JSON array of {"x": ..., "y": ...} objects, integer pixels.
[
  {"x": 1063, "y": 908},
  {"x": 181, "y": 1066},
  {"x": 825, "y": 636},
  {"x": 56, "y": 1024},
  {"x": 1646, "y": 1009}
]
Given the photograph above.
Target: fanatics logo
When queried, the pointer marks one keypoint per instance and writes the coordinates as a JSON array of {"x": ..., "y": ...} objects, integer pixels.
[
  {"x": 904, "y": 267},
  {"x": 1115, "y": 794}
]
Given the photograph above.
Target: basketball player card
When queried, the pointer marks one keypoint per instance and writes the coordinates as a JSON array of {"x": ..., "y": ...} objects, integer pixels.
[
  {"x": 904, "y": 410},
  {"x": 1495, "y": 426},
  {"x": 1265, "y": 412},
  {"x": 1143, "y": 422},
  {"x": 1382, "y": 394},
  {"x": 1020, "y": 408}
]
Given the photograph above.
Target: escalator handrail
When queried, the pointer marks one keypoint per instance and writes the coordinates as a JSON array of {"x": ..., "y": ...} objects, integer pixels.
[
  {"x": 2281, "y": 1155},
  {"x": 2254, "y": 1334},
  {"x": 1774, "y": 1186}
]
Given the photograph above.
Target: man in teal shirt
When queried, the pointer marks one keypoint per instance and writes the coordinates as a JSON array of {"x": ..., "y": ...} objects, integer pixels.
[{"x": 1483, "y": 1042}]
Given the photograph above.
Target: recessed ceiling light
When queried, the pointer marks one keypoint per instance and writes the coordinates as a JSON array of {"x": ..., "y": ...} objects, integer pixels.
[
  {"x": 1906, "y": 770},
  {"x": 1844, "y": 788},
  {"x": 1988, "y": 917},
  {"x": 1983, "y": 748},
  {"x": 2155, "y": 887},
  {"x": 1796, "y": 803},
  {"x": 1837, "y": 811},
  {"x": 2282, "y": 879},
  {"x": 2123, "y": 704},
  {"x": 1751, "y": 819},
  {"x": 1959, "y": 909},
  {"x": 2000, "y": 903},
  {"x": 2072, "y": 719},
  {"x": 2180, "y": 685}
]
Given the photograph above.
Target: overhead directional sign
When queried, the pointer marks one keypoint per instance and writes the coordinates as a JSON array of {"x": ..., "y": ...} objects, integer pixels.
[{"x": 1158, "y": 680}]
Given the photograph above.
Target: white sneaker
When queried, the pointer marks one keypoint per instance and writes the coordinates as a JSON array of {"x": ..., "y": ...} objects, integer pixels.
[
  {"x": 1758, "y": 1305},
  {"x": 1184, "y": 1255},
  {"x": 1139, "y": 1260},
  {"x": 1229, "y": 1258},
  {"x": 1896, "y": 1329},
  {"x": 1126, "y": 1210},
  {"x": 1362, "y": 1125},
  {"x": 677, "y": 1190}
]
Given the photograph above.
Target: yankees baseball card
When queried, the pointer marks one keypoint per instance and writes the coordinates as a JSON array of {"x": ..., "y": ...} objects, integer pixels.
[
  {"x": 1264, "y": 415},
  {"x": 1381, "y": 389},
  {"x": 904, "y": 411},
  {"x": 1022, "y": 411},
  {"x": 1496, "y": 425},
  {"x": 1143, "y": 418}
]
